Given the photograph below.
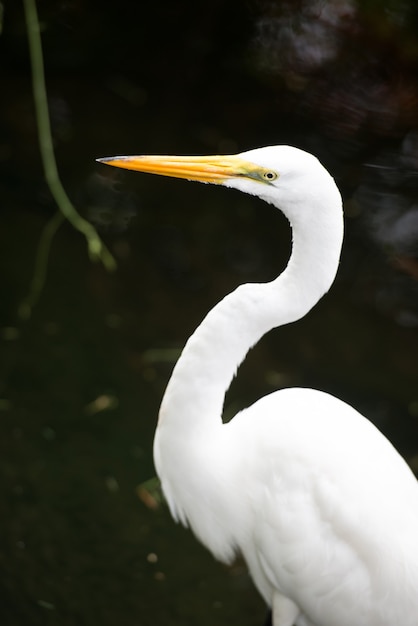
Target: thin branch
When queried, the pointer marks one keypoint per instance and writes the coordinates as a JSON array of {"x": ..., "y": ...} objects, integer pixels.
[
  {"x": 41, "y": 264},
  {"x": 96, "y": 248}
]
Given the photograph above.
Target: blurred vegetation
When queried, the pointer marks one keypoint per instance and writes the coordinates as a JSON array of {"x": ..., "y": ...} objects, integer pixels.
[{"x": 97, "y": 250}]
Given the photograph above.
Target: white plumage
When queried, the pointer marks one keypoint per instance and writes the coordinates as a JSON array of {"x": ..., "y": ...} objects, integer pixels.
[{"x": 322, "y": 507}]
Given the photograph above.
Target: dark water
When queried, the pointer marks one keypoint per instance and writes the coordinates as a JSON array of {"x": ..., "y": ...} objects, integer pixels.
[{"x": 81, "y": 381}]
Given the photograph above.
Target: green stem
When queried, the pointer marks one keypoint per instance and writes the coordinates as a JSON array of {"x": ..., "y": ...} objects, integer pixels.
[
  {"x": 41, "y": 264},
  {"x": 97, "y": 249}
]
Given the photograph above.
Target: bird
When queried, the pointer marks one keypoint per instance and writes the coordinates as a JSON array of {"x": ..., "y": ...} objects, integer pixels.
[{"x": 319, "y": 503}]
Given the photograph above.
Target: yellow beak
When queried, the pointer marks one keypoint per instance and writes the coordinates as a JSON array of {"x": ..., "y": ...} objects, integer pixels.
[{"x": 206, "y": 169}]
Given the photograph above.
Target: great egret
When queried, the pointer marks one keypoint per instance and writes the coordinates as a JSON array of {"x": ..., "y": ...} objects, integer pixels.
[{"x": 319, "y": 503}]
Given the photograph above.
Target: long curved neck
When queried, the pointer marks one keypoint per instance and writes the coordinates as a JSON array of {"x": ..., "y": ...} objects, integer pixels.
[
  {"x": 194, "y": 398},
  {"x": 191, "y": 446}
]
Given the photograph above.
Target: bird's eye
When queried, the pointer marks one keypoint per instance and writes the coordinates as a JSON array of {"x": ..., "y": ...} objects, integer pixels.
[{"x": 269, "y": 176}]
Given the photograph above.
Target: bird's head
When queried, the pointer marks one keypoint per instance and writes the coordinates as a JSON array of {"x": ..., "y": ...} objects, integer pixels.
[{"x": 282, "y": 175}]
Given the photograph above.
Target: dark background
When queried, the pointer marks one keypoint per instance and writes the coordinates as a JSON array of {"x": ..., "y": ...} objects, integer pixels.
[{"x": 81, "y": 380}]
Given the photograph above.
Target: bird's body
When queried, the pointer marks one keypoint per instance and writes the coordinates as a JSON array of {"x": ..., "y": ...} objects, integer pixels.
[
  {"x": 320, "y": 509},
  {"x": 317, "y": 500}
]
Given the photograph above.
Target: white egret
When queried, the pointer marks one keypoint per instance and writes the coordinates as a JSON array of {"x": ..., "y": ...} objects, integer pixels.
[{"x": 319, "y": 503}]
